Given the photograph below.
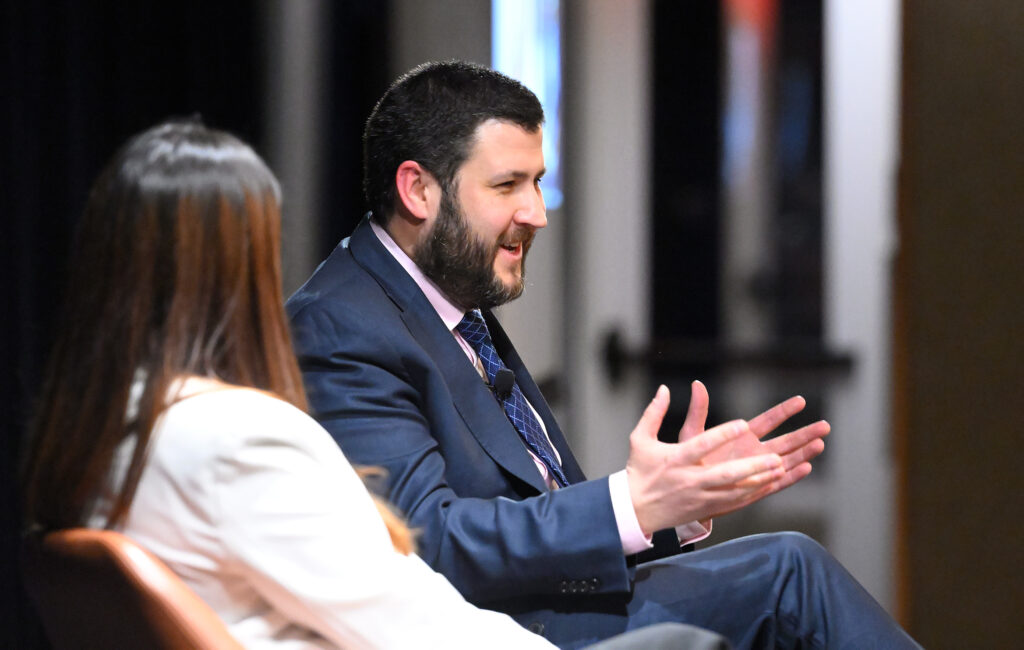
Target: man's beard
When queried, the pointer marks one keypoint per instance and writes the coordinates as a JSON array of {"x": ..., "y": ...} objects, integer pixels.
[{"x": 461, "y": 263}]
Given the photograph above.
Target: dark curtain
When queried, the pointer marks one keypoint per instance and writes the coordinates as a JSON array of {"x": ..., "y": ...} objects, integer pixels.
[
  {"x": 685, "y": 186},
  {"x": 77, "y": 79},
  {"x": 359, "y": 61}
]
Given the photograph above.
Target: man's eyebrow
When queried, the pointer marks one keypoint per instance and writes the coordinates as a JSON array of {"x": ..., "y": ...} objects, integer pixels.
[{"x": 518, "y": 174}]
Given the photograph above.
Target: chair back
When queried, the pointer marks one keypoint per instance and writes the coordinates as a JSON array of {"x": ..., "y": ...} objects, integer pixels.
[{"x": 99, "y": 589}]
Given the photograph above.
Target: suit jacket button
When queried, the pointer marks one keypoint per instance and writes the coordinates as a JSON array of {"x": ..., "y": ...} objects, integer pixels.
[
  {"x": 595, "y": 583},
  {"x": 564, "y": 586},
  {"x": 536, "y": 628}
]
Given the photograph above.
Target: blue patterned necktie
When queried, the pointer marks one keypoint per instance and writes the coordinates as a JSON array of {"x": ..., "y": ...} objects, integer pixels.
[{"x": 474, "y": 330}]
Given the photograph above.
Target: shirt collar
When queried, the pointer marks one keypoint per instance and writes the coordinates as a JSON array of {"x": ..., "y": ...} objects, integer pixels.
[{"x": 449, "y": 312}]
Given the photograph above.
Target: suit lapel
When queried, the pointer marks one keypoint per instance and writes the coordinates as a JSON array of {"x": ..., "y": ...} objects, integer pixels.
[{"x": 474, "y": 401}]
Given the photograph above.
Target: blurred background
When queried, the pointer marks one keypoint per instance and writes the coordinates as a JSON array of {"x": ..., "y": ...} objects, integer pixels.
[{"x": 777, "y": 197}]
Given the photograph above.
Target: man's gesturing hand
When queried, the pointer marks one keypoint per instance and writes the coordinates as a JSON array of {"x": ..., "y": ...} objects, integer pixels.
[
  {"x": 672, "y": 484},
  {"x": 796, "y": 448}
]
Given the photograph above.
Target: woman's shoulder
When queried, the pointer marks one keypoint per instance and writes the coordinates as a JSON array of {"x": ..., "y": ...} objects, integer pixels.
[
  {"x": 200, "y": 396},
  {"x": 222, "y": 416}
]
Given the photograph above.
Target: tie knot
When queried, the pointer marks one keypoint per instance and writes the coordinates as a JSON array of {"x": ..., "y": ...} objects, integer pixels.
[{"x": 473, "y": 328}]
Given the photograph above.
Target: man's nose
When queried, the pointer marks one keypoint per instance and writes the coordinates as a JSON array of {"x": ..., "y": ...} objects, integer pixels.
[{"x": 532, "y": 212}]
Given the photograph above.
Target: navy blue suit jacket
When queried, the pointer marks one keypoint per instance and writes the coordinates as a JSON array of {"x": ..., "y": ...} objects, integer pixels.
[{"x": 388, "y": 380}]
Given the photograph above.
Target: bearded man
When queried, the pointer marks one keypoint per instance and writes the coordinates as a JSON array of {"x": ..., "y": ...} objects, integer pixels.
[{"x": 406, "y": 366}]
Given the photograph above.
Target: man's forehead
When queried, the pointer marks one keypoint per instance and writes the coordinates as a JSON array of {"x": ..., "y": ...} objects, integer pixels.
[
  {"x": 496, "y": 139},
  {"x": 491, "y": 123}
]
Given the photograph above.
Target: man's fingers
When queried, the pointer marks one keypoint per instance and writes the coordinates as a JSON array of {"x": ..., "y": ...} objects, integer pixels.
[
  {"x": 747, "y": 473},
  {"x": 697, "y": 413},
  {"x": 652, "y": 416},
  {"x": 794, "y": 475},
  {"x": 693, "y": 450},
  {"x": 809, "y": 451},
  {"x": 762, "y": 479},
  {"x": 738, "y": 495},
  {"x": 795, "y": 440},
  {"x": 736, "y": 498},
  {"x": 770, "y": 420}
]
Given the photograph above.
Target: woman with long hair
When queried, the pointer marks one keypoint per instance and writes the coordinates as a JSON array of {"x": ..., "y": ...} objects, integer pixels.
[{"x": 173, "y": 411}]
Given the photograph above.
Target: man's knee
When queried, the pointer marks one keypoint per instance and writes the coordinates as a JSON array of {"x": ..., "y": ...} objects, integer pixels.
[
  {"x": 797, "y": 548},
  {"x": 796, "y": 542},
  {"x": 665, "y": 636}
]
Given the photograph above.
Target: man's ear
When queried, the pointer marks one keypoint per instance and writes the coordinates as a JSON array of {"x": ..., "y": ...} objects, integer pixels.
[{"x": 418, "y": 191}]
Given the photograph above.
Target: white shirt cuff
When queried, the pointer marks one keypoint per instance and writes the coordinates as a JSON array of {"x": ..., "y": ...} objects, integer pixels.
[
  {"x": 693, "y": 531},
  {"x": 633, "y": 538},
  {"x": 630, "y": 534}
]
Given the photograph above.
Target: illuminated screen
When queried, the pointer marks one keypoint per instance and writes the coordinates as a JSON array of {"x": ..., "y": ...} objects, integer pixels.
[{"x": 526, "y": 45}]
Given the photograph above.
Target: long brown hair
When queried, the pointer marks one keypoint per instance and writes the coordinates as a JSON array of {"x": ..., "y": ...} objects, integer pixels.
[{"x": 176, "y": 271}]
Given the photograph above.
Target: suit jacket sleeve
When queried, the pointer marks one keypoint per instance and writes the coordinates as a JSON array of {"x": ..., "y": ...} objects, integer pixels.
[{"x": 493, "y": 535}]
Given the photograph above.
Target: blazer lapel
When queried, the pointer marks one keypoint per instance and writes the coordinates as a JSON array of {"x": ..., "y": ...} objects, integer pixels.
[{"x": 472, "y": 398}]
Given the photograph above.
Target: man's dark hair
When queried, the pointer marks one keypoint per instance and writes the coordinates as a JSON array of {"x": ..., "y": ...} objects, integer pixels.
[{"x": 429, "y": 115}]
